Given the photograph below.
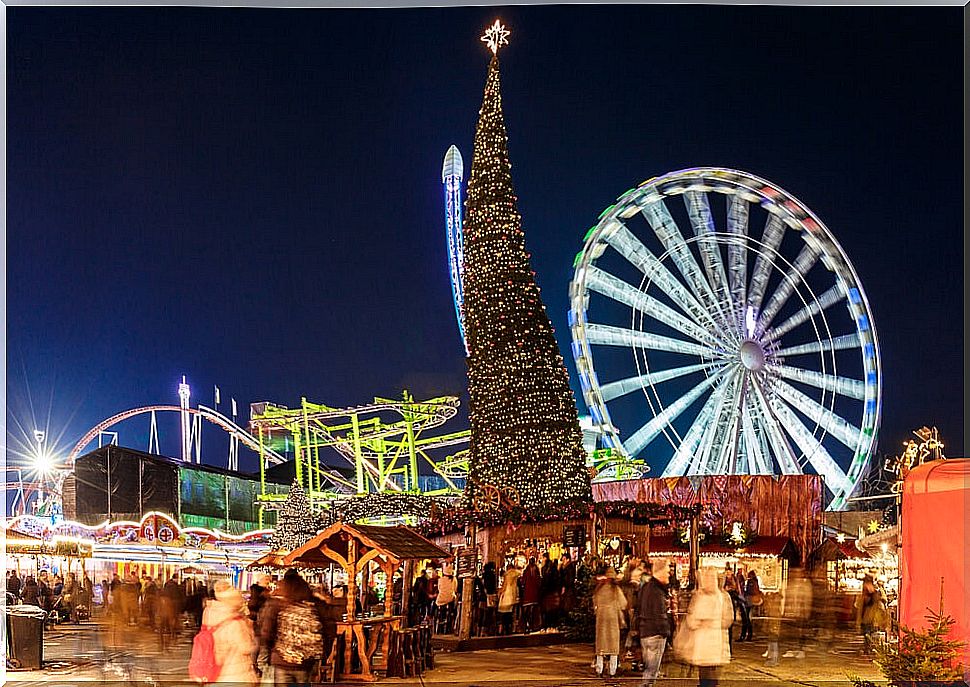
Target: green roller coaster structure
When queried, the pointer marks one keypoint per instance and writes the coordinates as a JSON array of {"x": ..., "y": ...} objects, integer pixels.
[{"x": 386, "y": 442}]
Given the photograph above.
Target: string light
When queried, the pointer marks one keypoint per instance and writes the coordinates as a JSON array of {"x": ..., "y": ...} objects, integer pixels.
[
  {"x": 524, "y": 425},
  {"x": 296, "y": 523}
]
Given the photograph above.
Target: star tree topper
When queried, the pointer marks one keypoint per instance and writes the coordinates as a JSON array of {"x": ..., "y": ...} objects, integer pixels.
[{"x": 496, "y": 36}]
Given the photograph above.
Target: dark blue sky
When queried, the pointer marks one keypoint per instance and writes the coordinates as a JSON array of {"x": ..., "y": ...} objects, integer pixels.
[{"x": 252, "y": 197}]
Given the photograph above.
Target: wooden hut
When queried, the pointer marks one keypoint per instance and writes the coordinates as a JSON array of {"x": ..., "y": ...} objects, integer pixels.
[{"x": 353, "y": 548}]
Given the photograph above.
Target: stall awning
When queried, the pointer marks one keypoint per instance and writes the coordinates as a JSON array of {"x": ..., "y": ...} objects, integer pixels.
[{"x": 781, "y": 547}]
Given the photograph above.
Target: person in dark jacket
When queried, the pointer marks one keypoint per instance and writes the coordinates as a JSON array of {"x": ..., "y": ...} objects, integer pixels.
[
  {"x": 258, "y": 593},
  {"x": 550, "y": 591},
  {"x": 31, "y": 591},
  {"x": 653, "y": 613},
  {"x": 13, "y": 584},
  {"x": 531, "y": 585}
]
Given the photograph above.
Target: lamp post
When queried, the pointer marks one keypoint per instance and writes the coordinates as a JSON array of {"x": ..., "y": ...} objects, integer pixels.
[{"x": 41, "y": 466}]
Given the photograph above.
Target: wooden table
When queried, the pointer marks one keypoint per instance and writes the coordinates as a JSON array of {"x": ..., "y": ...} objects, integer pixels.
[{"x": 380, "y": 632}]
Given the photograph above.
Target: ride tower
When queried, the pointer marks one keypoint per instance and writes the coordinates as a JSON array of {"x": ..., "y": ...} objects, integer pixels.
[{"x": 452, "y": 171}]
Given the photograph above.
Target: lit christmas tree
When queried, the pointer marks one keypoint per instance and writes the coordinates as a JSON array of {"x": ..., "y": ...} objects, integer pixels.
[
  {"x": 296, "y": 524},
  {"x": 524, "y": 426}
]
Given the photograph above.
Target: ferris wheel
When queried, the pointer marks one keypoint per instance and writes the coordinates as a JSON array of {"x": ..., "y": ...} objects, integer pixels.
[{"x": 753, "y": 346}]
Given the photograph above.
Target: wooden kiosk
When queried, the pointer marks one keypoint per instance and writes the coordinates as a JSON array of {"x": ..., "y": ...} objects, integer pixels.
[{"x": 354, "y": 547}]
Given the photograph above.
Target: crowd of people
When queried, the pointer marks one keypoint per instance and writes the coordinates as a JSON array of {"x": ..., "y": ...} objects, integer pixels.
[
  {"x": 283, "y": 631},
  {"x": 639, "y": 611},
  {"x": 64, "y": 600}
]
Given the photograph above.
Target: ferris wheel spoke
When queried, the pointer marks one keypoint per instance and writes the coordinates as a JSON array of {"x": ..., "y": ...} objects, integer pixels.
[
  {"x": 663, "y": 225},
  {"x": 774, "y": 231},
  {"x": 836, "y": 344},
  {"x": 729, "y": 443},
  {"x": 782, "y": 450},
  {"x": 844, "y": 386},
  {"x": 688, "y": 447},
  {"x": 754, "y": 448},
  {"x": 648, "y": 432},
  {"x": 833, "y": 424},
  {"x": 826, "y": 300},
  {"x": 812, "y": 448},
  {"x": 607, "y": 335},
  {"x": 806, "y": 259},
  {"x": 622, "y": 292},
  {"x": 630, "y": 247},
  {"x": 737, "y": 225},
  {"x": 703, "y": 462},
  {"x": 622, "y": 387},
  {"x": 699, "y": 211}
]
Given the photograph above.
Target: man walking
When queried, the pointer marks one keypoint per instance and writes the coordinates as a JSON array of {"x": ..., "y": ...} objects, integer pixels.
[{"x": 653, "y": 607}]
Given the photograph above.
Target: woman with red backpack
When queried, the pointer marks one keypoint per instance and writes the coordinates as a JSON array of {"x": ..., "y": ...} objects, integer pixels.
[{"x": 223, "y": 649}]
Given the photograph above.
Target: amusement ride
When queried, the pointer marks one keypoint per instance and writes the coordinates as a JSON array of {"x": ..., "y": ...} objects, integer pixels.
[{"x": 731, "y": 346}]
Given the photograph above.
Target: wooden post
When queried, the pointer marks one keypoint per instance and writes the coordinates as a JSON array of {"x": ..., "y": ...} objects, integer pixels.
[
  {"x": 406, "y": 591},
  {"x": 695, "y": 551},
  {"x": 467, "y": 589},
  {"x": 351, "y": 577}
]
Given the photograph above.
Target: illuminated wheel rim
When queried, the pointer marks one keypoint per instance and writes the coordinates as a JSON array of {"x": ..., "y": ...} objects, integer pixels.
[{"x": 743, "y": 362}]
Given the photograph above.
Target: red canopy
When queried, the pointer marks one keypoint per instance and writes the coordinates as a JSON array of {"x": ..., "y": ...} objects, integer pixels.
[{"x": 936, "y": 544}]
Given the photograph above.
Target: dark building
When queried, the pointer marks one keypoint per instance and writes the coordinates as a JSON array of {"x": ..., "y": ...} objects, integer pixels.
[{"x": 118, "y": 483}]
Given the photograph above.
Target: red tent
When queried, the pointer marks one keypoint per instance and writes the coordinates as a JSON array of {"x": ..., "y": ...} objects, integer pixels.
[{"x": 936, "y": 544}]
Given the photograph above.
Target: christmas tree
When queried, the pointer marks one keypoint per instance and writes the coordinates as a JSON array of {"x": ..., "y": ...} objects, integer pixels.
[
  {"x": 296, "y": 524},
  {"x": 524, "y": 426}
]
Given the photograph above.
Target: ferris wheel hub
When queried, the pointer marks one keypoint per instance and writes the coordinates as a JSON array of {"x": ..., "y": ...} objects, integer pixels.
[{"x": 752, "y": 355}]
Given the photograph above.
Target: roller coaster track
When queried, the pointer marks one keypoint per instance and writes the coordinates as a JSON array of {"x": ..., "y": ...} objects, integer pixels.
[{"x": 212, "y": 416}]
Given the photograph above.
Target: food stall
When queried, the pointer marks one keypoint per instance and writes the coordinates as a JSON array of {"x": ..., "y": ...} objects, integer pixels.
[
  {"x": 768, "y": 557},
  {"x": 356, "y": 548}
]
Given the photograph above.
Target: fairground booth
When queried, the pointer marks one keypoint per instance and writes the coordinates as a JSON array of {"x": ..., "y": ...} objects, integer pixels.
[
  {"x": 371, "y": 638},
  {"x": 935, "y": 561}
]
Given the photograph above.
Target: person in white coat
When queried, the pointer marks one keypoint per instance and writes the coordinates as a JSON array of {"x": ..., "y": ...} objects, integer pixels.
[
  {"x": 233, "y": 638},
  {"x": 508, "y": 598},
  {"x": 609, "y": 604},
  {"x": 703, "y": 639}
]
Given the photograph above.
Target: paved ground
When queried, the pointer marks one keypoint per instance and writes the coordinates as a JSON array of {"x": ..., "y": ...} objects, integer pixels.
[{"x": 80, "y": 655}]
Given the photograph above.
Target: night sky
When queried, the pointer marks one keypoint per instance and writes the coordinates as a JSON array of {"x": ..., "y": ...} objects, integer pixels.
[{"x": 252, "y": 198}]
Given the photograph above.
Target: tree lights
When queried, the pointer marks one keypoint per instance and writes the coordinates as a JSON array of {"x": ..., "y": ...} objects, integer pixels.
[
  {"x": 525, "y": 429},
  {"x": 296, "y": 524}
]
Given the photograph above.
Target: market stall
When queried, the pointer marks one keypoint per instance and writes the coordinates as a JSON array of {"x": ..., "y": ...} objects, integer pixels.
[
  {"x": 768, "y": 557},
  {"x": 356, "y": 548}
]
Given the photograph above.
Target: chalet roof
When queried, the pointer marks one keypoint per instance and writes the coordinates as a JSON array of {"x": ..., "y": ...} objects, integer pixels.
[{"x": 398, "y": 543}]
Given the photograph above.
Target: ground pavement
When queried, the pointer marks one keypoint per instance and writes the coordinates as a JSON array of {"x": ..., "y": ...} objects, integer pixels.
[{"x": 94, "y": 652}]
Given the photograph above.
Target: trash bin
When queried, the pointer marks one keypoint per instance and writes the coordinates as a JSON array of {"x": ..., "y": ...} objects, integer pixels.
[{"x": 25, "y": 636}]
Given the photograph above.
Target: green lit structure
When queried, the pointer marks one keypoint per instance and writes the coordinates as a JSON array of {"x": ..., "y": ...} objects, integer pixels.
[{"x": 386, "y": 443}]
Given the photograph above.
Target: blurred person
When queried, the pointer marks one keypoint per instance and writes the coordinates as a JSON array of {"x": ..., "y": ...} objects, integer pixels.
[
  {"x": 13, "y": 584},
  {"x": 149, "y": 601},
  {"x": 531, "y": 583},
  {"x": 508, "y": 598},
  {"x": 798, "y": 610},
  {"x": 297, "y": 635},
  {"x": 445, "y": 602},
  {"x": 490, "y": 587},
  {"x": 171, "y": 603},
  {"x": 419, "y": 597},
  {"x": 232, "y": 634},
  {"x": 871, "y": 614},
  {"x": 431, "y": 591},
  {"x": 609, "y": 604},
  {"x": 703, "y": 641},
  {"x": 258, "y": 593},
  {"x": 30, "y": 594},
  {"x": 653, "y": 618},
  {"x": 773, "y": 613},
  {"x": 567, "y": 584},
  {"x": 549, "y": 591},
  {"x": 753, "y": 598}
]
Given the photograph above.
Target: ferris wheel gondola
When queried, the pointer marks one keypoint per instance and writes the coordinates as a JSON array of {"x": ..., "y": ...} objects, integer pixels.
[{"x": 745, "y": 362}]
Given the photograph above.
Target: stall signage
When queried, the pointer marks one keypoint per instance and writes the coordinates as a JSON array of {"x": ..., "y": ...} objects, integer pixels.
[
  {"x": 574, "y": 536},
  {"x": 467, "y": 563}
]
